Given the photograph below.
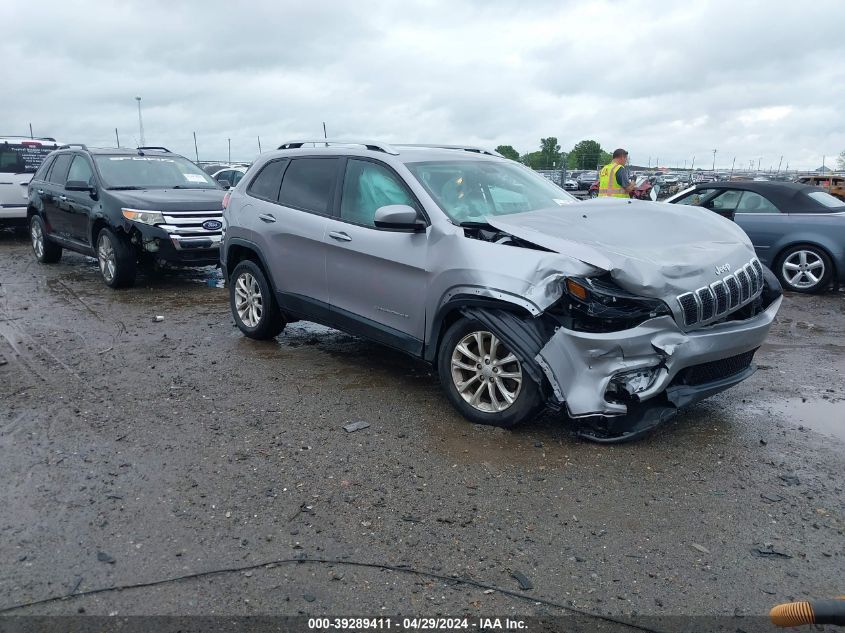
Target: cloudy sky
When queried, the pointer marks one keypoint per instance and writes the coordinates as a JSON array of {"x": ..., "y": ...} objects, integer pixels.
[{"x": 756, "y": 80}]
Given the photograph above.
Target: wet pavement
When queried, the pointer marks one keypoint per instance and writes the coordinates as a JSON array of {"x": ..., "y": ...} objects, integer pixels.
[{"x": 134, "y": 451}]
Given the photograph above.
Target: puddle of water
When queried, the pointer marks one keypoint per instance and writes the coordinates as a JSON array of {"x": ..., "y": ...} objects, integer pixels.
[{"x": 824, "y": 416}]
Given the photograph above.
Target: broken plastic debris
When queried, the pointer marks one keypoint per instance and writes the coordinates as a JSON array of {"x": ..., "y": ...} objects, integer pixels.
[
  {"x": 158, "y": 318},
  {"x": 355, "y": 426}
]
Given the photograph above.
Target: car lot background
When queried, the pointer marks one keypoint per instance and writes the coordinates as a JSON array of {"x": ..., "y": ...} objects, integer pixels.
[{"x": 135, "y": 450}]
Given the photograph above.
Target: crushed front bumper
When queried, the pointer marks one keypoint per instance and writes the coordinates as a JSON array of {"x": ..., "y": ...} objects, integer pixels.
[{"x": 580, "y": 366}]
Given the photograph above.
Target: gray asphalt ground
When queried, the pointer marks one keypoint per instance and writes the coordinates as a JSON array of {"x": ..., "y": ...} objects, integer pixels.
[{"x": 134, "y": 451}]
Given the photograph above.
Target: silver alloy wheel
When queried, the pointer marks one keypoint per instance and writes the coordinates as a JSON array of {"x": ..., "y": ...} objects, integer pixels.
[
  {"x": 486, "y": 374},
  {"x": 106, "y": 257},
  {"x": 248, "y": 300},
  {"x": 803, "y": 269},
  {"x": 37, "y": 236}
]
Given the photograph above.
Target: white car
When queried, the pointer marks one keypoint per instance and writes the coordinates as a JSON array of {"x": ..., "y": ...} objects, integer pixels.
[
  {"x": 20, "y": 156},
  {"x": 570, "y": 184},
  {"x": 231, "y": 175}
]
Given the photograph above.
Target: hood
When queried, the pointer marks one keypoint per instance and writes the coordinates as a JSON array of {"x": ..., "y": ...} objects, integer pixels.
[
  {"x": 651, "y": 248},
  {"x": 171, "y": 199}
]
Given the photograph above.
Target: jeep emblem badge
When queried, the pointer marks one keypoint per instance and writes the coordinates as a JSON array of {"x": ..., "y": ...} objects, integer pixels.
[
  {"x": 720, "y": 270},
  {"x": 216, "y": 225}
]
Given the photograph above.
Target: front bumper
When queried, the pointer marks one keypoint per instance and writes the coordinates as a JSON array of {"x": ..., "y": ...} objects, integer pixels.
[
  {"x": 580, "y": 365},
  {"x": 160, "y": 244}
]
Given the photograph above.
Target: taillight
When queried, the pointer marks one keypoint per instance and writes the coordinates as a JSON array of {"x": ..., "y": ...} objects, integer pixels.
[{"x": 226, "y": 197}]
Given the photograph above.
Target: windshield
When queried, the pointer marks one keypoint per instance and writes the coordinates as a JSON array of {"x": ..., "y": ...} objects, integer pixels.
[
  {"x": 826, "y": 199},
  {"x": 469, "y": 191},
  {"x": 152, "y": 172},
  {"x": 22, "y": 158}
]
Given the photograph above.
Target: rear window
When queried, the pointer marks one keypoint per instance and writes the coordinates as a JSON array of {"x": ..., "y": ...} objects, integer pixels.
[
  {"x": 826, "y": 199},
  {"x": 24, "y": 157},
  {"x": 309, "y": 184}
]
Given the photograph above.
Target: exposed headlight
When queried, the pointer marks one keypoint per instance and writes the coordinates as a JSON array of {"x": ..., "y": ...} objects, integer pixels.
[
  {"x": 145, "y": 217},
  {"x": 596, "y": 304}
]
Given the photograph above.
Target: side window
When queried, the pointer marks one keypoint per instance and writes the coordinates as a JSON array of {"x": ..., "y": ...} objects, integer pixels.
[
  {"x": 368, "y": 186},
  {"x": 80, "y": 170},
  {"x": 695, "y": 198},
  {"x": 309, "y": 184},
  {"x": 41, "y": 174},
  {"x": 725, "y": 201},
  {"x": 58, "y": 174},
  {"x": 268, "y": 181},
  {"x": 755, "y": 203}
]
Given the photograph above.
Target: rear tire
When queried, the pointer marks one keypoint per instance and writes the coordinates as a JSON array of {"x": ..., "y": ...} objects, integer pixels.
[
  {"x": 480, "y": 380},
  {"x": 116, "y": 258},
  {"x": 804, "y": 268},
  {"x": 46, "y": 252},
  {"x": 253, "y": 305}
]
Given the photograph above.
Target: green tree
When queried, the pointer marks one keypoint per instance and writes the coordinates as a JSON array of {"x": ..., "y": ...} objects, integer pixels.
[
  {"x": 508, "y": 152},
  {"x": 550, "y": 153},
  {"x": 586, "y": 155},
  {"x": 534, "y": 160},
  {"x": 841, "y": 160}
]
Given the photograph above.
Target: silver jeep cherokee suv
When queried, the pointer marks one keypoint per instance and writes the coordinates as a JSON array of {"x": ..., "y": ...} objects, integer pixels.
[{"x": 620, "y": 310}]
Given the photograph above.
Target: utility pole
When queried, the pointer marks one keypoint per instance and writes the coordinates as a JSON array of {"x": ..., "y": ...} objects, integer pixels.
[
  {"x": 196, "y": 149},
  {"x": 714, "y": 160},
  {"x": 732, "y": 167},
  {"x": 779, "y": 164},
  {"x": 259, "y": 144},
  {"x": 230, "y": 149},
  {"x": 30, "y": 131},
  {"x": 140, "y": 122},
  {"x": 325, "y": 134},
  {"x": 117, "y": 137},
  {"x": 758, "y": 163}
]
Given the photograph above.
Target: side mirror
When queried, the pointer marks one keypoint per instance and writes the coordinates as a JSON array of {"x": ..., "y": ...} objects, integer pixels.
[
  {"x": 78, "y": 185},
  {"x": 398, "y": 216},
  {"x": 224, "y": 183},
  {"x": 653, "y": 193}
]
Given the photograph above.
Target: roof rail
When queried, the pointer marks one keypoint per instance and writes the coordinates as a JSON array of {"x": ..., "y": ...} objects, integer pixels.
[
  {"x": 29, "y": 138},
  {"x": 374, "y": 146},
  {"x": 69, "y": 145},
  {"x": 159, "y": 148},
  {"x": 464, "y": 148}
]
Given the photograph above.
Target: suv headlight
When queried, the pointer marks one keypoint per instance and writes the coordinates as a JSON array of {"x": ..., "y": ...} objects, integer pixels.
[
  {"x": 597, "y": 304},
  {"x": 145, "y": 217}
]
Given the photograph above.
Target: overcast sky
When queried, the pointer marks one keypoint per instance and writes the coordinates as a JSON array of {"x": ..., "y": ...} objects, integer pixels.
[{"x": 752, "y": 79}]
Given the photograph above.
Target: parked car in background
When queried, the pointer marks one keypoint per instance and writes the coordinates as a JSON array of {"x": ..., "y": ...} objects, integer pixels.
[
  {"x": 229, "y": 177},
  {"x": 519, "y": 295},
  {"x": 570, "y": 184},
  {"x": 586, "y": 179},
  {"x": 20, "y": 157},
  {"x": 125, "y": 207},
  {"x": 834, "y": 185},
  {"x": 797, "y": 230}
]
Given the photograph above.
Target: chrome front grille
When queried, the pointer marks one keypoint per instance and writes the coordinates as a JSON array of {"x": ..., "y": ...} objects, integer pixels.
[
  {"x": 719, "y": 298},
  {"x": 186, "y": 229}
]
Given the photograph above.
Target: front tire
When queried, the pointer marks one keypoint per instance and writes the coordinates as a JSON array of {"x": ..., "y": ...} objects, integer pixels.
[
  {"x": 804, "y": 268},
  {"x": 46, "y": 252},
  {"x": 483, "y": 379},
  {"x": 116, "y": 258},
  {"x": 254, "y": 307}
]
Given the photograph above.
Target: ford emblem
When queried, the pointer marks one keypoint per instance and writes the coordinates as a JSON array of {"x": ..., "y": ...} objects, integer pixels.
[{"x": 212, "y": 225}]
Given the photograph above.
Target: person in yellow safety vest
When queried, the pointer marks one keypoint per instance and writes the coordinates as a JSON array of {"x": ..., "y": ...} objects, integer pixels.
[{"x": 614, "y": 181}]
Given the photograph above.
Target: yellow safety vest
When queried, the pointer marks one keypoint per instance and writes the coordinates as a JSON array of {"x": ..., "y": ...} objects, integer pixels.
[{"x": 608, "y": 187}]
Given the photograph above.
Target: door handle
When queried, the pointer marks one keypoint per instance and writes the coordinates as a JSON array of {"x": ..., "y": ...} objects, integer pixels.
[
  {"x": 340, "y": 236},
  {"x": 266, "y": 217},
  {"x": 63, "y": 198},
  {"x": 40, "y": 192}
]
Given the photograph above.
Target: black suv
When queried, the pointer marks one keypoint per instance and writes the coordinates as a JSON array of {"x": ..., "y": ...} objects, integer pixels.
[{"x": 126, "y": 207}]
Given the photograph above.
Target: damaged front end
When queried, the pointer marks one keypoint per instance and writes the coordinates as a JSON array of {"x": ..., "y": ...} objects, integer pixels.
[{"x": 620, "y": 363}]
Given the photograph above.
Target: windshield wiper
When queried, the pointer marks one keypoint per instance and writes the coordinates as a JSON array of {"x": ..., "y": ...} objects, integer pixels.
[
  {"x": 186, "y": 187},
  {"x": 126, "y": 188},
  {"x": 475, "y": 225}
]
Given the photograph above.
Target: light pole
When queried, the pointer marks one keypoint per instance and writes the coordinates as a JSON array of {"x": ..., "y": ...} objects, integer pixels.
[
  {"x": 714, "y": 160},
  {"x": 140, "y": 122}
]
